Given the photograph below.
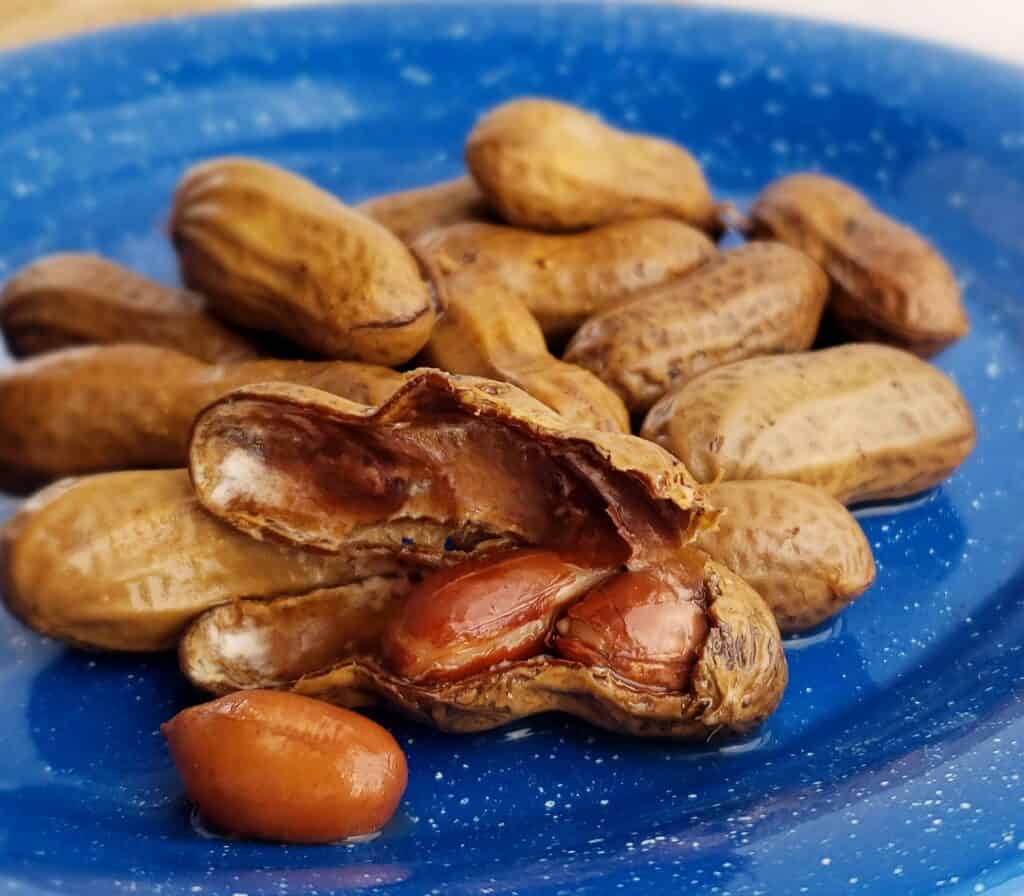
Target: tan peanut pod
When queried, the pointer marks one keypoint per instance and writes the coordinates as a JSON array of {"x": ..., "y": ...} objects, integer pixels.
[
  {"x": 863, "y": 422},
  {"x": 757, "y": 299},
  {"x": 409, "y": 214},
  {"x": 123, "y": 561},
  {"x": 564, "y": 278},
  {"x": 273, "y": 252},
  {"x": 799, "y": 548},
  {"x": 446, "y": 462},
  {"x": 66, "y": 300},
  {"x": 891, "y": 284},
  {"x": 737, "y": 681},
  {"x": 548, "y": 165},
  {"x": 98, "y": 408},
  {"x": 488, "y": 332}
]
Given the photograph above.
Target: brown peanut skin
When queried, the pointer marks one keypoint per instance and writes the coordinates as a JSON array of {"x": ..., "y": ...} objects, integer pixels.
[
  {"x": 273, "y": 252},
  {"x": 863, "y": 422},
  {"x": 409, "y": 214},
  {"x": 282, "y": 767},
  {"x": 75, "y": 299},
  {"x": 488, "y": 332},
  {"x": 564, "y": 278},
  {"x": 891, "y": 285},
  {"x": 124, "y": 561},
  {"x": 99, "y": 408},
  {"x": 757, "y": 299},
  {"x": 546, "y": 165},
  {"x": 799, "y": 548}
]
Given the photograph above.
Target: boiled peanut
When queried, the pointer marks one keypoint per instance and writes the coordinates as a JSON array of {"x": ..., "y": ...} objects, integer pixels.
[
  {"x": 487, "y": 332},
  {"x": 762, "y": 298},
  {"x": 466, "y": 619},
  {"x": 801, "y": 550},
  {"x": 863, "y": 422},
  {"x": 564, "y": 278},
  {"x": 411, "y": 213},
  {"x": 548, "y": 165},
  {"x": 447, "y": 464},
  {"x": 274, "y": 252},
  {"x": 891, "y": 284},
  {"x": 123, "y": 561},
  {"x": 283, "y": 767},
  {"x": 121, "y": 406},
  {"x": 76, "y": 299},
  {"x": 647, "y": 625}
]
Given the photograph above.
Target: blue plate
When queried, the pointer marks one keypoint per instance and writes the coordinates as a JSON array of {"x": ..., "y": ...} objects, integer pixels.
[{"x": 894, "y": 764}]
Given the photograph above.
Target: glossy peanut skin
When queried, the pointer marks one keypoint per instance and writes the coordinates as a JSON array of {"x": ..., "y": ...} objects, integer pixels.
[
  {"x": 409, "y": 214},
  {"x": 802, "y": 551},
  {"x": 75, "y": 299},
  {"x": 274, "y": 252},
  {"x": 488, "y": 332},
  {"x": 469, "y": 618},
  {"x": 648, "y": 626},
  {"x": 123, "y": 561},
  {"x": 100, "y": 408},
  {"x": 891, "y": 284},
  {"x": 278, "y": 766},
  {"x": 564, "y": 278},
  {"x": 547, "y": 165},
  {"x": 761, "y": 298},
  {"x": 862, "y": 422}
]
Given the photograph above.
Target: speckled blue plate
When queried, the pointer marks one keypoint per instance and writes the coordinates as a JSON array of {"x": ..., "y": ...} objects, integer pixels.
[{"x": 894, "y": 765}]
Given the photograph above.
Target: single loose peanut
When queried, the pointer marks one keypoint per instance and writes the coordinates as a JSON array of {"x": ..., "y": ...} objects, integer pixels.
[
  {"x": 488, "y": 332},
  {"x": 279, "y": 766},
  {"x": 75, "y": 299},
  {"x": 468, "y": 618},
  {"x": 863, "y": 422},
  {"x": 564, "y": 278},
  {"x": 121, "y": 406},
  {"x": 762, "y": 298},
  {"x": 409, "y": 214},
  {"x": 891, "y": 284},
  {"x": 801, "y": 550},
  {"x": 274, "y": 252},
  {"x": 548, "y": 165},
  {"x": 647, "y": 625}
]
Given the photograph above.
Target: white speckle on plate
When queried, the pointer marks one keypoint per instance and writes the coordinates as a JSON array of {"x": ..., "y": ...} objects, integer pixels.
[
  {"x": 416, "y": 75},
  {"x": 726, "y": 80}
]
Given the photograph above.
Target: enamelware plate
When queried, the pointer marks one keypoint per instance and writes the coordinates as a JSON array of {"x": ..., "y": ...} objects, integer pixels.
[{"x": 894, "y": 765}]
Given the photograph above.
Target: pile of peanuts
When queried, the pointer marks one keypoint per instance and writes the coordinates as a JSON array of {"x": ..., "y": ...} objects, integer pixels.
[{"x": 521, "y": 441}]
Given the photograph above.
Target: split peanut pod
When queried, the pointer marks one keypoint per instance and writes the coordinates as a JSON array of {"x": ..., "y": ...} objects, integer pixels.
[
  {"x": 761, "y": 298},
  {"x": 273, "y": 252},
  {"x": 799, "y": 548},
  {"x": 121, "y": 406},
  {"x": 409, "y": 214},
  {"x": 564, "y": 278},
  {"x": 863, "y": 422},
  {"x": 549, "y": 512},
  {"x": 891, "y": 284},
  {"x": 123, "y": 561},
  {"x": 488, "y": 332},
  {"x": 547, "y": 165},
  {"x": 74, "y": 299}
]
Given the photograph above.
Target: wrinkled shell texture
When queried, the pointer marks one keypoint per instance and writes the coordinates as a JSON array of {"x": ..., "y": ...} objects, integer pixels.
[
  {"x": 564, "y": 278},
  {"x": 273, "y": 252},
  {"x": 546, "y": 165},
  {"x": 67, "y": 300},
  {"x": 410, "y": 213},
  {"x": 101, "y": 408},
  {"x": 863, "y": 422},
  {"x": 800, "y": 549},
  {"x": 124, "y": 561},
  {"x": 762, "y": 298},
  {"x": 892, "y": 285}
]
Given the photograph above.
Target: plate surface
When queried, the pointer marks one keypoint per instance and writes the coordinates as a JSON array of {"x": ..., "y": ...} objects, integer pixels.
[{"x": 894, "y": 764}]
